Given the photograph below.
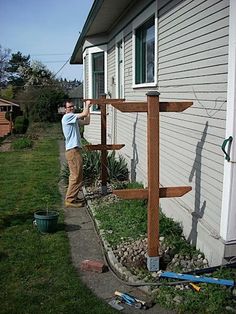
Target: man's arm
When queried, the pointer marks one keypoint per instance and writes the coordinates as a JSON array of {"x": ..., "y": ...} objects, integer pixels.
[{"x": 84, "y": 116}]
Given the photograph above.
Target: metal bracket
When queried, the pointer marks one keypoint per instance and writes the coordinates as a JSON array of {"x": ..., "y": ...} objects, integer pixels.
[{"x": 229, "y": 142}]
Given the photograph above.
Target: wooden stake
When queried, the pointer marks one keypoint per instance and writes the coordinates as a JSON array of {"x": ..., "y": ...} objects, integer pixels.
[{"x": 104, "y": 142}]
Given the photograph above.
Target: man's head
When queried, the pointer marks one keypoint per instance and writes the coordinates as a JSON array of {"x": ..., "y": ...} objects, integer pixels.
[{"x": 69, "y": 106}]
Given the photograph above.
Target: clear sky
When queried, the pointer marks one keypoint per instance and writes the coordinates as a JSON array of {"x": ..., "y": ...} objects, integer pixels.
[{"x": 47, "y": 30}]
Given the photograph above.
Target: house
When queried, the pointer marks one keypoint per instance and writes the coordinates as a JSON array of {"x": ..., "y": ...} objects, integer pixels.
[
  {"x": 6, "y": 125},
  {"x": 186, "y": 50},
  {"x": 76, "y": 95}
]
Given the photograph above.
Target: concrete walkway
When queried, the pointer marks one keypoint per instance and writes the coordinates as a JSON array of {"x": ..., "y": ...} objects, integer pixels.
[{"x": 85, "y": 244}]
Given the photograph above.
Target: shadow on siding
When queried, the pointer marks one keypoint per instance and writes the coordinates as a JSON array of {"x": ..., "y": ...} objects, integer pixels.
[
  {"x": 199, "y": 207},
  {"x": 134, "y": 160}
]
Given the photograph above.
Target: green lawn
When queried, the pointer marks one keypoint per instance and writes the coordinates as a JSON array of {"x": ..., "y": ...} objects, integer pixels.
[{"x": 36, "y": 273}]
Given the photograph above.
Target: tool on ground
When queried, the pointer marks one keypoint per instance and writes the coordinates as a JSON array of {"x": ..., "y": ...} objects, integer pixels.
[
  {"x": 131, "y": 300},
  {"x": 194, "y": 287},
  {"x": 113, "y": 303},
  {"x": 192, "y": 278}
]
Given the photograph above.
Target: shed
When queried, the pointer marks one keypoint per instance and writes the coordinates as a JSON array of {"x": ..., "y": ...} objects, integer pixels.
[{"x": 5, "y": 125}]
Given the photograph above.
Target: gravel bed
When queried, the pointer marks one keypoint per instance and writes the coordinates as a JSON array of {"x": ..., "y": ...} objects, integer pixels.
[{"x": 133, "y": 255}]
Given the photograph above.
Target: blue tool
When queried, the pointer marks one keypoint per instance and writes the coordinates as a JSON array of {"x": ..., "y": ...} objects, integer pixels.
[
  {"x": 192, "y": 278},
  {"x": 130, "y": 300}
]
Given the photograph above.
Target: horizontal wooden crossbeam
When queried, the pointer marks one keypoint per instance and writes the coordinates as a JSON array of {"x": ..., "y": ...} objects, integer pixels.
[
  {"x": 142, "y": 194},
  {"x": 104, "y": 101},
  {"x": 104, "y": 147},
  {"x": 142, "y": 106},
  {"x": 174, "y": 106},
  {"x": 131, "y": 106}
]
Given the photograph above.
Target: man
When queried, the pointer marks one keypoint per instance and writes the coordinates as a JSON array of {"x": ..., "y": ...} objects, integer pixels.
[{"x": 70, "y": 127}]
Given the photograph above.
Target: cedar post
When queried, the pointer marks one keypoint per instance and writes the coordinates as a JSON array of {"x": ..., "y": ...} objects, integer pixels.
[
  {"x": 104, "y": 142},
  {"x": 153, "y": 179},
  {"x": 153, "y": 192}
]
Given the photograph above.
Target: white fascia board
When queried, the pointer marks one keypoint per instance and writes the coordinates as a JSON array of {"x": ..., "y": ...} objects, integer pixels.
[{"x": 228, "y": 211}]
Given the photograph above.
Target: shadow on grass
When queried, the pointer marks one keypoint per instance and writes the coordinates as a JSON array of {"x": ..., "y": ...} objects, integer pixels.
[
  {"x": 22, "y": 218},
  {"x": 15, "y": 219},
  {"x": 3, "y": 255}
]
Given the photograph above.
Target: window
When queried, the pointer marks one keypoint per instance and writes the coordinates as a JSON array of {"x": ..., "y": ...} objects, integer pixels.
[
  {"x": 145, "y": 52},
  {"x": 98, "y": 76}
]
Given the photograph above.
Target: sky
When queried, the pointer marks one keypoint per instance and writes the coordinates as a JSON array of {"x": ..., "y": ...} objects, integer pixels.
[{"x": 47, "y": 30}]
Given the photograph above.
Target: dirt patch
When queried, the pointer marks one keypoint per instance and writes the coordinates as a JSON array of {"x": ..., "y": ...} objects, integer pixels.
[{"x": 5, "y": 147}]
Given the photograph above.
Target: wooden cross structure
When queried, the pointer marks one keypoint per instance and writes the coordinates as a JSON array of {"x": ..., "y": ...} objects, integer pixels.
[{"x": 153, "y": 191}]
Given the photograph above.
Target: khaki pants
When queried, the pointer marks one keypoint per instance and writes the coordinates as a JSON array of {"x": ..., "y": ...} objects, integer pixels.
[{"x": 75, "y": 163}]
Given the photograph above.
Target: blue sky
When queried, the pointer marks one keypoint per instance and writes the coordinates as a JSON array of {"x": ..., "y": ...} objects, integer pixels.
[{"x": 47, "y": 30}]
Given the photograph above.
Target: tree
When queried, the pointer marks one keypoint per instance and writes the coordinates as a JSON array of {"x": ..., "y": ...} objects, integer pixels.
[
  {"x": 37, "y": 74},
  {"x": 16, "y": 76},
  {"x": 4, "y": 59},
  {"x": 7, "y": 92},
  {"x": 31, "y": 85},
  {"x": 40, "y": 103},
  {"x": 47, "y": 103}
]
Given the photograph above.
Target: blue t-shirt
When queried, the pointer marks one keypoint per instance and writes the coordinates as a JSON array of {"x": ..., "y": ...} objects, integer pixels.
[{"x": 71, "y": 131}]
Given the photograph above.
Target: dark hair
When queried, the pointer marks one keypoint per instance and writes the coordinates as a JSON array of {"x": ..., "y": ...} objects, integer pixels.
[{"x": 67, "y": 101}]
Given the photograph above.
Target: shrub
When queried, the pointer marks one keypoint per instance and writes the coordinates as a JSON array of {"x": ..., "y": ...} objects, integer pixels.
[
  {"x": 21, "y": 124},
  {"x": 10, "y": 116},
  {"x": 117, "y": 168},
  {"x": 22, "y": 143},
  {"x": 91, "y": 166}
]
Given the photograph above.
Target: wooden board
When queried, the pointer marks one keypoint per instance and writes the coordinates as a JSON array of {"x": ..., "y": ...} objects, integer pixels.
[
  {"x": 142, "y": 106},
  {"x": 104, "y": 147},
  {"x": 142, "y": 194},
  {"x": 104, "y": 101}
]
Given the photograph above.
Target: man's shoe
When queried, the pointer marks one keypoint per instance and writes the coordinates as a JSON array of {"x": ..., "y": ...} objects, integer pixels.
[
  {"x": 74, "y": 204},
  {"x": 80, "y": 199},
  {"x": 80, "y": 196}
]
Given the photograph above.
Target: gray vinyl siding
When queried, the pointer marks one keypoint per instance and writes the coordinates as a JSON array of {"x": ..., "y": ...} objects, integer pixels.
[
  {"x": 91, "y": 133},
  {"x": 192, "y": 59},
  {"x": 133, "y": 124},
  {"x": 111, "y": 69},
  {"x": 192, "y": 64}
]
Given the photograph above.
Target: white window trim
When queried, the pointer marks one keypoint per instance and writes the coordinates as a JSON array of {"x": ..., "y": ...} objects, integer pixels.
[
  {"x": 143, "y": 17},
  {"x": 119, "y": 38},
  {"x": 90, "y": 51},
  {"x": 84, "y": 70}
]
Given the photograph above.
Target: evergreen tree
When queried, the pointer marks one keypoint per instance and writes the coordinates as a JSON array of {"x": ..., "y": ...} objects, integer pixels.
[{"x": 17, "y": 77}]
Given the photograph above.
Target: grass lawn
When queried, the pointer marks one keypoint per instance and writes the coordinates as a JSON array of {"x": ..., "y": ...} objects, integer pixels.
[{"x": 35, "y": 270}]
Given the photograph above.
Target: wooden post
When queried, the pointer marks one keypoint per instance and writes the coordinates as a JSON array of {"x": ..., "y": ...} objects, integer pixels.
[
  {"x": 104, "y": 142},
  {"x": 153, "y": 179},
  {"x": 153, "y": 108}
]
